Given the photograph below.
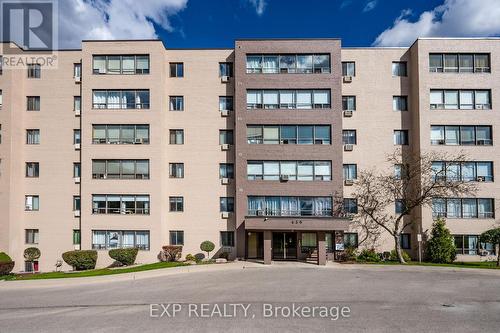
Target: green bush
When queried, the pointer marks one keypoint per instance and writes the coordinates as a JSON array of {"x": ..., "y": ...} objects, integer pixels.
[
  {"x": 190, "y": 257},
  {"x": 32, "y": 254},
  {"x": 125, "y": 257},
  {"x": 368, "y": 255},
  {"x": 170, "y": 253},
  {"x": 208, "y": 247},
  {"x": 440, "y": 247},
  {"x": 81, "y": 260},
  {"x": 350, "y": 254},
  {"x": 6, "y": 264},
  {"x": 394, "y": 256}
]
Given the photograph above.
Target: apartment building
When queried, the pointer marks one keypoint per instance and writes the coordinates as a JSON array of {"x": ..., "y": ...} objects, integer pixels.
[{"x": 128, "y": 143}]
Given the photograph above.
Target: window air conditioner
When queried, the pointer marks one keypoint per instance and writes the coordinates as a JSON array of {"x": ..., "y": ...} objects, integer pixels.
[
  {"x": 347, "y": 79},
  {"x": 225, "y": 215},
  {"x": 225, "y": 146},
  {"x": 481, "y": 178},
  {"x": 260, "y": 212},
  {"x": 224, "y": 79},
  {"x": 347, "y": 113},
  {"x": 78, "y": 79},
  {"x": 225, "y": 181},
  {"x": 77, "y": 146},
  {"x": 77, "y": 213},
  {"x": 77, "y": 112},
  {"x": 348, "y": 147},
  {"x": 224, "y": 113},
  {"x": 349, "y": 182},
  {"x": 284, "y": 178}
]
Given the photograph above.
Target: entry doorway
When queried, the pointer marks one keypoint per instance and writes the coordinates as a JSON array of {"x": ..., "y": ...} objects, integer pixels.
[
  {"x": 255, "y": 245},
  {"x": 284, "y": 246}
]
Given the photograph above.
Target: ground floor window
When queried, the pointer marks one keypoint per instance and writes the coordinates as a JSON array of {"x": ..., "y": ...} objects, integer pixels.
[
  {"x": 309, "y": 241},
  {"x": 31, "y": 266},
  {"x": 470, "y": 245},
  {"x": 176, "y": 237},
  {"x": 405, "y": 241},
  {"x": 350, "y": 239},
  {"x": 116, "y": 239},
  {"x": 76, "y": 237},
  {"x": 227, "y": 238}
]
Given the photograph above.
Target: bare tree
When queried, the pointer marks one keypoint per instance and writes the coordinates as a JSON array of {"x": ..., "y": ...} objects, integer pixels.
[{"x": 415, "y": 184}]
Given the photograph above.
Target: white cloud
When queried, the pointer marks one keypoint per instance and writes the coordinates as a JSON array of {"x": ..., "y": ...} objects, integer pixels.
[
  {"x": 260, "y": 6},
  {"x": 345, "y": 3},
  {"x": 454, "y": 18},
  {"x": 370, "y": 5},
  {"x": 113, "y": 19}
]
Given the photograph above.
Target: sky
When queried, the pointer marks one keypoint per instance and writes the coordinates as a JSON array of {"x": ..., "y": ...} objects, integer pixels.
[{"x": 217, "y": 23}]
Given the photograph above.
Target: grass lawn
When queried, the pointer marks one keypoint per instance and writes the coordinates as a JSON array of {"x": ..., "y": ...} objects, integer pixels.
[
  {"x": 481, "y": 264},
  {"x": 93, "y": 272}
]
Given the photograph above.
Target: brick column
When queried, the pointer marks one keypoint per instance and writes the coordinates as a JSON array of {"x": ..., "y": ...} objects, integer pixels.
[
  {"x": 268, "y": 237},
  {"x": 321, "y": 248}
]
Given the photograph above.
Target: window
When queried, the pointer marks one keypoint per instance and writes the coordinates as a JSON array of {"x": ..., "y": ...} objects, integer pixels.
[
  {"x": 118, "y": 239},
  {"x": 225, "y": 69},
  {"x": 120, "y": 169},
  {"x": 0, "y": 133},
  {"x": 176, "y": 137},
  {"x": 459, "y": 63},
  {"x": 120, "y": 99},
  {"x": 1, "y": 95},
  {"x": 348, "y": 68},
  {"x": 401, "y": 137},
  {"x": 466, "y": 208},
  {"x": 349, "y": 137},
  {"x": 288, "y": 99},
  {"x": 226, "y": 170},
  {"x": 31, "y": 202},
  {"x": 176, "y": 170},
  {"x": 120, "y": 134},
  {"x": 176, "y": 204},
  {"x": 227, "y": 238},
  {"x": 176, "y": 103},
  {"x": 464, "y": 171},
  {"x": 399, "y": 68},
  {"x": 225, "y": 137},
  {"x": 471, "y": 245},
  {"x": 400, "y": 103},
  {"x": 31, "y": 236},
  {"x": 76, "y": 203},
  {"x": 120, "y": 64},
  {"x": 226, "y": 204},
  {"x": 288, "y": 63},
  {"x": 349, "y": 103},
  {"x": 176, "y": 237},
  {"x": 33, "y": 103},
  {"x": 400, "y": 207},
  {"x": 32, "y": 136},
  {"x": 400, "y": 171},
  {"x": 350, "y": 171},
  {"x": 461, "y": 135},
  {"x": 76, "y": 237},
  {"x": 289, "y": 134},
  {"x": 350, "y": 239},
  {"x": 292, "y": 170},
  {"x": 77, "y": 71},
  {"x": 460, "y": 99},
  {"x": 34, "y": 71},
  {"x": 226, "y": 103},
  {"x": 289, "y": 206},
  {"x": 76, "y": 137},
  {"x": 120, "y": 204},
  {"x": 350, "y": 206},
  {"x": 176, "y": 69},
  {"x": 76, "y": 170},
  {"x": 405, "y": 241},
  {"x": 32, "y": 170},
  {"x": 77, "y": 103}
]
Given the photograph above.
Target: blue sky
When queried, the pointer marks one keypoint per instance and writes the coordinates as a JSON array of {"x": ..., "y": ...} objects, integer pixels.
[{"x": 218, "y": 23}]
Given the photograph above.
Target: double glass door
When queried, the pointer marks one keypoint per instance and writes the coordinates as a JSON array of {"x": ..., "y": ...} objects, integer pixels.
[{"x": 284, "y": 245}]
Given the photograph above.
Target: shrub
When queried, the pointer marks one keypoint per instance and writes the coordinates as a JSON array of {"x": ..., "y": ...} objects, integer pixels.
[
  {"x": 199, "y": 257},
  {"x": 224, "y": 255},
  {"x": 368, "y": 255},
  {"x": 190, "y": 257},
  {"x": 6, "y": 264},
  {"x": 170, "y": 253},
  {"x": 207, "y": 246},
  {"x": 394, "y": 256},
  {"x": 125, "y": 257},
  {"x": 349, "y": 254},
  {"x": 441, "y": 246},
  {"x": 81, "y": 260},
  {"x": 31, "y": 254}
]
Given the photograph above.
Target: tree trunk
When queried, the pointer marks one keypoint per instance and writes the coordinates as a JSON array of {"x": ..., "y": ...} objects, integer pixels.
[{"x": 399, "y": 252}]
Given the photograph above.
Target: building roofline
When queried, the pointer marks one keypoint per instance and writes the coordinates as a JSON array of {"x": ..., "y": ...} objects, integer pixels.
[
  {"x": 285, "y": 38},
  {"x": 121, "y": 40}
]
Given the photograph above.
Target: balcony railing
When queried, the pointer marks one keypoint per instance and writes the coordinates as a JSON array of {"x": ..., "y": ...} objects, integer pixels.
[{"x": 291, "y": 213}]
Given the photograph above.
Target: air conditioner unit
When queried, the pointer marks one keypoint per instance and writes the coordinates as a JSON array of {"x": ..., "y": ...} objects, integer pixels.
[
  {"x": 349, "y": 182},
  {"x": 225, "y": 181},
  {"x": 77, "y": 146},
  {"x": 78, "y": 79},
  {"x": 102, "y": 70},
  {"x": 139, "y": 141},
  {"x": 225, "y": 215},
  {"x": 284, "y": 178},
  {"x": 77, "y": 112},
  {"x": 77, "y": 247},
  {"x": 480, "y": 178},
  {"x": 76, "y": 213},
  {"x": 347, "y": 79},
  {"x": 77, "y": 180},
  {"x": 347, "y": 113},
  {"x": 224, "y": 146},
  {"x": 224, "y": 79},
  {"x": 224, "y": 113},
  {"x": 260, "y": 212},
  {"x": 481, "y": 142},
  {"x": 348, "y": 147}
]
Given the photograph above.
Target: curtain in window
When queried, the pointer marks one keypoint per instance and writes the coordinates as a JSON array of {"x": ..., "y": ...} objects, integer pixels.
[
  {"x": 271, "y": 170},
  {"x": 142, "y": 64},
  {"x": 322, "y": 206},
  {"x": 304, "y": 63},
  {"x": 309, "y": 239},
  {"x": 142, "y": 132},
  {"x": 99, "y": 99},
  {"x": 469, "y": 208},
  {"x": 305, "y": 170},
  {"x": 114, "y": 134},
  {"x": 466, "y": 99},
  {"x": 113, "y": 239},
  {"x": 287, "y": 99},
  {"x": 142, "y": 169},
  {"x": 273, "y": 206},
  {"x": 485, "y": 208},
  {"x": 128, "y": 239},
  {"x": 437, "y": 135},
  {"x": 270, "y": 99},
  {"x": 254, "y": 62},
  {"x": 290, "y": 206},
  {"x": 114, "y": 100},
  {"x": 99, "y": 65},
  {"x": 483, "y": 134},
  {"x": 451, "y": 99},
  {"x": 467, "y": 136},
  {"x": 323, "y": 170},
  {"x": 466, "y": 63},
  {"x": 254, "y": 98},
  {"x": 306, "y": 135},
  {"x": 436, "y": 98},
  {"x": 255, "y": 205},
  {"x": 289, "y": 169},
  {"x": 271, "y": 135},
  {"x": 468, "y": 171},
  {"x": 254, "y": 135},
  {"x": 482, "y": 62},
  {"x": 270, "y": 64},
  {"x": 287, "y": 63},
  {"x": 435, "y": 62},
  {"x": 454, "y": 208},
  {"x": 450, "y": 63},
  {"x": 142, "y": 240},
  {"x": 472, "y": 242},
  {"x": 483, "y": 98},
  {"x": 322, "y": 97},
  {"x": 485, "y": 169},
  {"x": 453, "y": 171},
  {"x": 77, "y": 103},
  {"x": 452, "y": 135},
  {"x": 98, "y": 168},
  {"x": 128, "y": 64},
  {"x": 304, "y": 99},
  {"x": 322, "y": 133},
  {"x": 439, "y": 207},
  {"x": 99, "y": 239}
]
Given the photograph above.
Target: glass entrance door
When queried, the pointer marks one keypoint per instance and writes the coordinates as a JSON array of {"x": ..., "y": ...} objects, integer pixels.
[{"x": 284, "y": 245}]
